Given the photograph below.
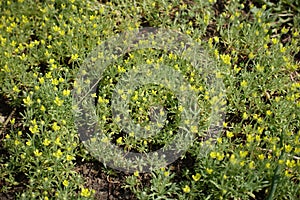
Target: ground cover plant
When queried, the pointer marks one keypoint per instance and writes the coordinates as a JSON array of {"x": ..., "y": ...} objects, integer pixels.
[{"x": 255, "y": 48}]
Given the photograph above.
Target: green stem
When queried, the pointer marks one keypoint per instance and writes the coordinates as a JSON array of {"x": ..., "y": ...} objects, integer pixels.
[{"x": 276, "y": 175}]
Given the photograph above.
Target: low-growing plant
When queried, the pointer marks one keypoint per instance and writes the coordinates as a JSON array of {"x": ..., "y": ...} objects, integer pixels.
[{"x": 254, "y": 46}]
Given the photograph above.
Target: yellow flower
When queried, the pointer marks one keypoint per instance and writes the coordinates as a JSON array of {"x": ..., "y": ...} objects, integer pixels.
[
  {"x": 284, "y": 30},
  {"x": 232, "y": 159},
  {"x": 56, "y": 28},
  {"x": 121, "y": 69},
  {"x": 66, "y": 92},
  {"x": 166, "y": 173},
  {"x": 66, "y": 183},
  {"x": 251, "y": 165},
  {"x": 28, "y": 143},
  {"x": 41, "y": 80},
  {"x": 296, "y": 33},
  {"x": 288, "y": 173},
  {"x": 6, "y": 69},
  {"x": 119, "y": 140},
  {"x": 58, "y": 153},
  {"x": 242, "y": 163},
  {"x": 16, "y": 89},
  {"x": 58, "y": 101},
  {"x": 57, "y": 141},
  {"x": 260, "y": 129},
  {"x": 136, "y": 173},
  {"x": 55, "y": 127},
  {"x": 244, "y": 83},
  {"x": 261, "y": 156},
  {"x": 251, "y": 55},
  {"x": 275, "y": 40},
  {"x": 28, "y": 101},
  {"x": 259, "y": 68},
  {"x": 131, "y": 134},
  {"x": 288, "y": 148},
  {"x": 291, "y": 163},
  {"x": 62, "y": 32},
  {"x": 23, "y": 156},
  {"x": 229, "y": 134},
  {"x": 243, "y": 154},
  {"x": 51, "y": 61},
  {"x": 250, "y": 138},
  {"x": 297, "y": 150},
  {"x": 280, "y": 162},
  {"x": 282, "y": 49},
  {"x": 69, "y": 158},
  {"x": 213, "y": 154},
  {"x": 34, "y": 129},
  {"x": 42, "y": 108},
  {"x": 196, "y": 177},
  {"x": 46, "y": 142},
  {"x": 245, "y": 116},
  {"x": 17, "y": 142},
  {"x": 85, "y": 192},
  {"x": 194, "y": 129},
  {"x": 216, "y": 39},
  {"x": 206, "y": 18},
  {"x": 220, "y": 156},
  {"x": 173, "y": 56},
  {"x": 37, "y": 153},
  {"x": 257, "y": 138},
  {"x": 236, "y": 69},
  {"x": 186, "y": 189},
  {"x": 180, "y": 108},
  {"x": 209, "y": 171},
  {"x": 216, "y": 52},
  {"x": 55, "y": 82},
  {"x": 226, "y": 59},
  {"x": 269, "y": 112},
  {"x": 48, "y": 75},
  {"x": 74, "y": 57}
]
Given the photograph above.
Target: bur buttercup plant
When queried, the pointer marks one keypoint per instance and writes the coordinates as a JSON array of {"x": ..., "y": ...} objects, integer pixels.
[{"x": 255, "y": 48}]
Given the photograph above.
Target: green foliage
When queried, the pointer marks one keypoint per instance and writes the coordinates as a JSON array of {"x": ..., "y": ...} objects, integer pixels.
[{"x": 255, "y": 48}]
